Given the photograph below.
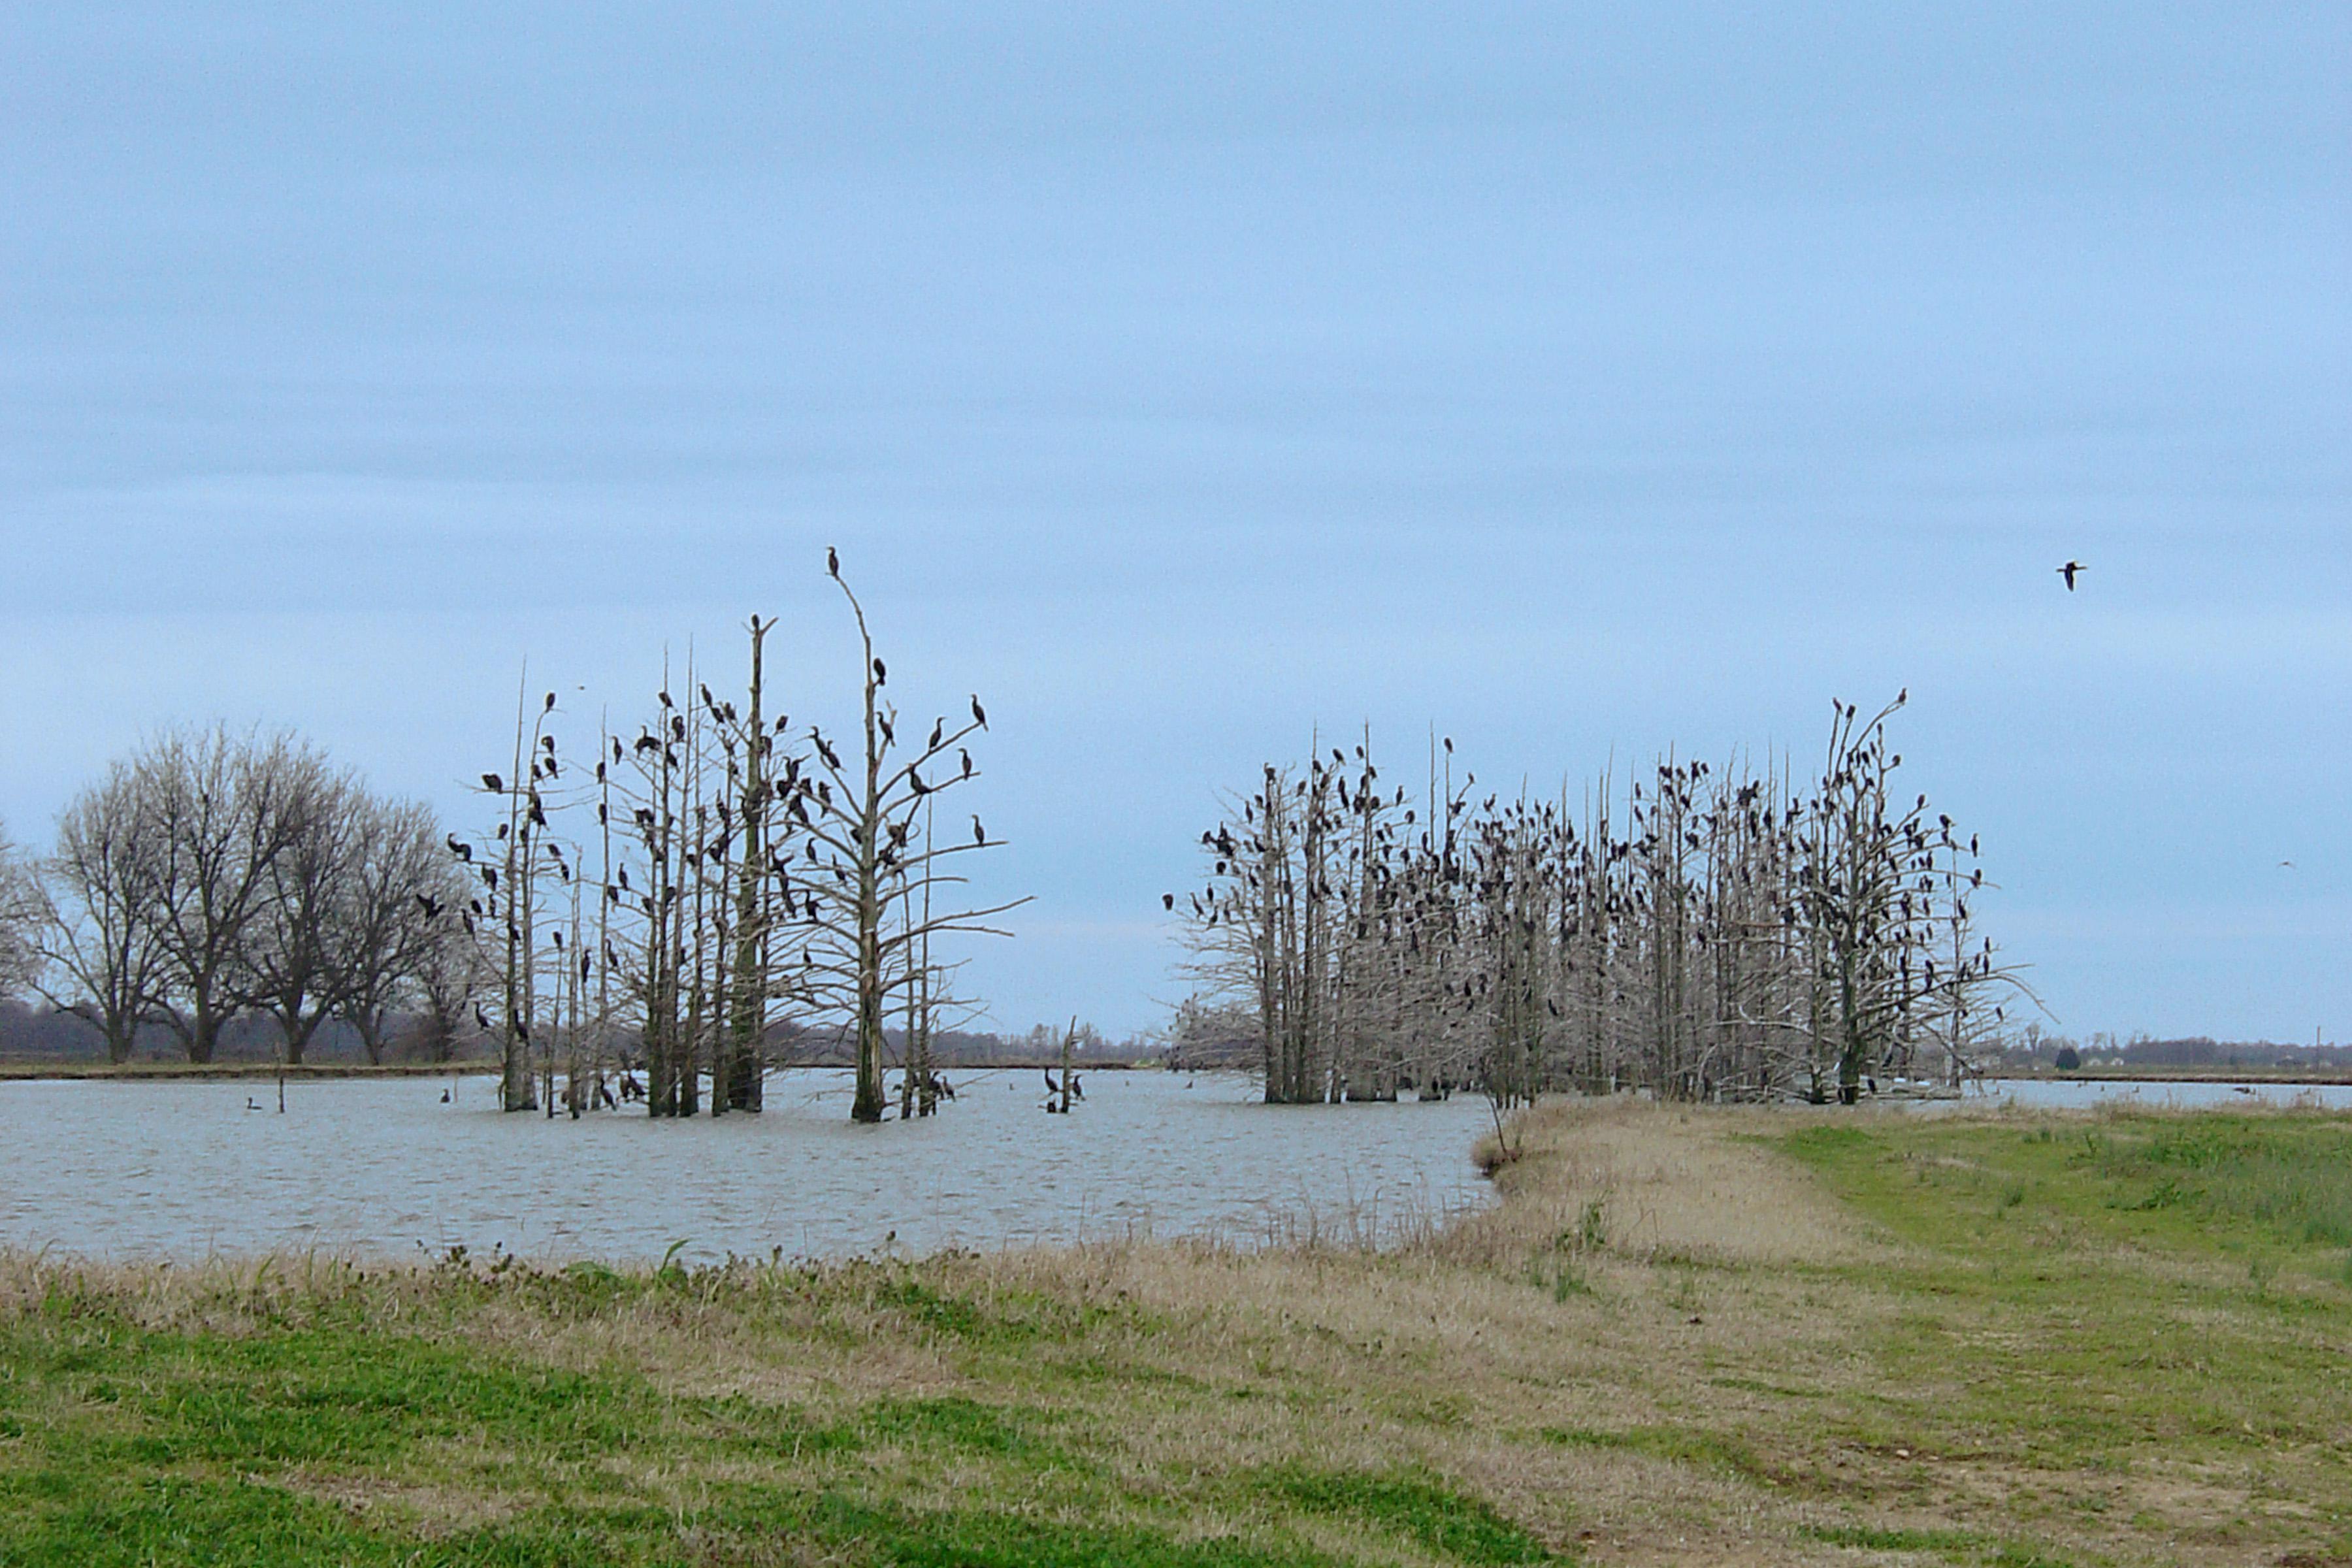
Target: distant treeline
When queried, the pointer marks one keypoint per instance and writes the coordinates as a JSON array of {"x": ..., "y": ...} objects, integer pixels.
[
  {"x": 2189, "y": 1051},
  {"x": 35, "y": 1033}
]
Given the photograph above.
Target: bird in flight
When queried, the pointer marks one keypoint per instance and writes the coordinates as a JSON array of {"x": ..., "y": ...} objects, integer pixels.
[{"x": 2068, "y": 571}]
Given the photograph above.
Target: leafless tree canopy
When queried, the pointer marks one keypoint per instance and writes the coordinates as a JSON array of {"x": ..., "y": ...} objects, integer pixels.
[
  {"x": 712, "y": 876},
  {"x": 213, "y": 874},
  {"x": 1712, "y": 934},
  {"x": 19, "y": 920}
]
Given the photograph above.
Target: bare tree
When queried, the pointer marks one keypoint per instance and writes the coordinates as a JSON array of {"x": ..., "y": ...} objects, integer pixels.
[
  {"x": 393, "y": 923},
  {"x": 20, "y": 919},
  {"x": 224, "y": 809},
  {"x": 299, "y": 970},
  {"x": 1731, "y": 939},
  {"x": 869, "y": 918},
  {"x": 101, "y": 917}
]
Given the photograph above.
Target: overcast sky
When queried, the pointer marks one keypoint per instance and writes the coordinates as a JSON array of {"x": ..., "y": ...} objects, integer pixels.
[{"x": 1581, "y": 380}]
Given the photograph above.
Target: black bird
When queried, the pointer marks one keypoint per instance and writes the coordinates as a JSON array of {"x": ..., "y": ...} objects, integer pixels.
[
  {"x": 2068, "y": 571},
  {"x": 979, "y": 834},
  {"x": 967, "y": 760},
  {"x": 481, "y": 1019},
  {"x": 1167, "y": 900},
  {"x": 832, "y": 561},
  {"x": 1051, "y": 1086},
  {"x": 881, "y": 673},
  {"x": 979, "y": 714},
  {"x": 490, "y": 781},
  {"x": 463, "y": 851},
  {"x": 432, "y": 907},
  {"x": 889, "y": 732},
  {"x": 551, "y": 703},
  {"x": 938, "y": 730}
]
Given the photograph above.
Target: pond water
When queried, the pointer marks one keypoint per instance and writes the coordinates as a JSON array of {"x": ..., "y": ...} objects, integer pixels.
[
  {"x": 2083, "y": 1093},
  {"x": 378, "y": 1169}
]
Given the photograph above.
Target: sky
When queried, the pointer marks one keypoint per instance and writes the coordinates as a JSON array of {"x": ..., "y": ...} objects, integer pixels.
[{"x": 1575, "y": 381}]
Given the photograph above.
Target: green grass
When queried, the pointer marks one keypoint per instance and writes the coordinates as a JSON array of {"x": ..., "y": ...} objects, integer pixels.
[{"x": 2114, "y": 1295}]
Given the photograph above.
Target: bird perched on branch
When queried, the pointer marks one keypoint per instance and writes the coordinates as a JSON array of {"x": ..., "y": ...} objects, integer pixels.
[
  {"x": 490, "y": 781},
  {"x": 979, "y": 834},
  {"x": 832, "y": 561},
  {"x": 979, "y": 714}
]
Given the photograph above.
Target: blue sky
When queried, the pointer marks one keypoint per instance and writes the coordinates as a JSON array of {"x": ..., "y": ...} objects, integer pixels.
[{"x": 1182, "y": 379}]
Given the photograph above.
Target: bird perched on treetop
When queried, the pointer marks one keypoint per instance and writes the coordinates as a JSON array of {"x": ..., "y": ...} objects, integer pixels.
[
  {"x": 979, "y": 714},
  {"x": 832, "y": 561}
]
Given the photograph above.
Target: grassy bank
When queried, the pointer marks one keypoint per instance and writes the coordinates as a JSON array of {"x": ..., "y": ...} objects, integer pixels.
[{"x": 1738, "y": 1336}]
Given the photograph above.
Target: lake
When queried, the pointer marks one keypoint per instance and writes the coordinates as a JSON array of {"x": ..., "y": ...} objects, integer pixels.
[{"x": 382, "y": 1169}]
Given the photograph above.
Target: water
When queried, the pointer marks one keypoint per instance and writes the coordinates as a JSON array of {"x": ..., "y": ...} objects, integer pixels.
[
  {"x": 377, "y": 1169},
  {"x": 2083, "y": 1093}
]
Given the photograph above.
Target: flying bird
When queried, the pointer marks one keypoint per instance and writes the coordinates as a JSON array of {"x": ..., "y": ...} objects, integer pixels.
[{"x": 2068, "y": 571}]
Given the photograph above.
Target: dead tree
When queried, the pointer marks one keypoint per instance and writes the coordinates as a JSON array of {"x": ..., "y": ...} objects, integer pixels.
[{"x": 862, "y": 944}]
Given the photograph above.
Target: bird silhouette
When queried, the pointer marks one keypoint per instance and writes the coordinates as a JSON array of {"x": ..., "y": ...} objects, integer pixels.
[
  {"x": 979, "y": 714},
  {"x": 490, "y": 781},
  {"x": 967, "y": 760},
  {"x": 432, "y": 907},
  {"x": 1167, "y": 900},
  {"x": 2068, "y": 571},
  {"x": 551, "y": 703},
  {"x": 881, "y": 673},
  {"x": 832, "y": 561},
  {"x": 979, "y": 834},
  {"x": 481, "y": 1019},
  {"x": 462, "y": 850}
]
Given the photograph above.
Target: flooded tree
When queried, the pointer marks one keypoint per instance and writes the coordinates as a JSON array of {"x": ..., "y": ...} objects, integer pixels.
[
  {"x": 1734, "y": 938},
  {"x": 706, "y": 885}
]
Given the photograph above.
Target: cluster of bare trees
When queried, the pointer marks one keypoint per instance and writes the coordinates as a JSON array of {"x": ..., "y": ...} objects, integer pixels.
[
  {"x": 211, "y": 875},
  {"x": 1712, "y": 934},
  {"x": 672, "y": 896}
]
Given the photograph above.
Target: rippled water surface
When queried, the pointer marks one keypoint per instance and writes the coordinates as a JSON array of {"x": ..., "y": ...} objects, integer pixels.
[
  {"x": 2081, "y": 1093},
  {"x": 384, "y": 1169}
]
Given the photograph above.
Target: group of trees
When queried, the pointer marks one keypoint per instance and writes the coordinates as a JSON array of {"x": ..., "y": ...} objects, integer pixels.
[
  {"x": 1715, "y": 933},
  {"x": 713, "y": 880},
  {"x": 211, "y": 874}
]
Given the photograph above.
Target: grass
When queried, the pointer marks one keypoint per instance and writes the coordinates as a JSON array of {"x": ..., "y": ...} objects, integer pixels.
[{"x": 1683, "y": 1335}]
